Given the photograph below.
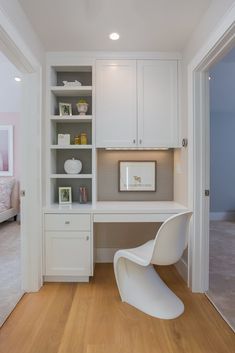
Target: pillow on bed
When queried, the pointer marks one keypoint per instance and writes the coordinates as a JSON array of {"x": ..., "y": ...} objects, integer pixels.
[{"x": 6, "y": 185}]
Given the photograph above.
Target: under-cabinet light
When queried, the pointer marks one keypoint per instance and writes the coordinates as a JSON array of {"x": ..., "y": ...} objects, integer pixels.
[
  {"x": 17, "y": 79},
  {"x": 136, "y": 149}
]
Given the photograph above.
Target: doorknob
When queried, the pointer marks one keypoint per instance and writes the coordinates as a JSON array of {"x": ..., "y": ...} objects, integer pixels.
[{"x": 22, "y": 193}]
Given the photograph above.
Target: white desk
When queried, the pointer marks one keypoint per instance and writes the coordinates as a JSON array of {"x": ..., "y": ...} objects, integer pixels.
[
  {"x": 128, "y": 211},
  {"x": 111, "y": 212},
  {"x": 68, "y": 233}
]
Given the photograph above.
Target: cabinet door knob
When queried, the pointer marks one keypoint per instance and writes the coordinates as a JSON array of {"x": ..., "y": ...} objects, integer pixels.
[
  {"x": 133, "y": 140},
  {"x": 87, "y": 237},
  {"x": 67, "y": 222},
  {"x": 140, "y": 141}
]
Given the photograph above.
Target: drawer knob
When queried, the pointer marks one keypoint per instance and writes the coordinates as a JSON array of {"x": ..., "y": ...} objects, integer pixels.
[{"x": 67, "y": 222}]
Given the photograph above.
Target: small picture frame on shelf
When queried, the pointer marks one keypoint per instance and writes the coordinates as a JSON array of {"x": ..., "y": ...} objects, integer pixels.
[
  {"x": 65, "y": 195},
  {"x": 137, "y": 176},
  {"x": 65, "y": 109}
]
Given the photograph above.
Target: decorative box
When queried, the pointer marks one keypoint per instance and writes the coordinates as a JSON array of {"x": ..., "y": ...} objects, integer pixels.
[{"x": 63, "y": 139}]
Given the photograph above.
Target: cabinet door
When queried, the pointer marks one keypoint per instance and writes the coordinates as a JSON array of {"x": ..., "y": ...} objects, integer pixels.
[
  {"x": 68, "y": 253},
  {"x": 157, "y": 103},
  {"x": 116, "y": 123}
]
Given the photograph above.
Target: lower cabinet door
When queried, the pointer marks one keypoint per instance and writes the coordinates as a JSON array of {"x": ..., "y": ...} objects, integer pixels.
[{"x": 68, "y": 253}]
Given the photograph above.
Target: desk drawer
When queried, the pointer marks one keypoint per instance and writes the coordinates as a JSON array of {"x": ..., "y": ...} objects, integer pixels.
[{"x": 70, "y": 222}]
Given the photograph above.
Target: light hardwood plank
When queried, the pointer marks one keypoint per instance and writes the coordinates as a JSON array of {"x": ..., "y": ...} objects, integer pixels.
[{"x": 90, "y": 318}]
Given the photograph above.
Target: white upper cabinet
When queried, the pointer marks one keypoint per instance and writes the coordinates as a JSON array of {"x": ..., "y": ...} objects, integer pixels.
[
  {"x": 157, "y": 103},
  {"x": 116, "y": 123},
  {"x": 137, "y": 103}
]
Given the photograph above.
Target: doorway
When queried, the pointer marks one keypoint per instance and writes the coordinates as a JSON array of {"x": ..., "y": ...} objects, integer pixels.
[
  {"x": 10, "y": 171},
  {"x": 20, "y": 55},
  {"x": 219, "y": 44},
  {"x": 221, "y": 290}
]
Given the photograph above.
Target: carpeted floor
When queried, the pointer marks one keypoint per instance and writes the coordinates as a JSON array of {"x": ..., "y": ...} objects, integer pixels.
[
  {"x": 10, "y": 280},
  {"x": 222, "y": 269}
]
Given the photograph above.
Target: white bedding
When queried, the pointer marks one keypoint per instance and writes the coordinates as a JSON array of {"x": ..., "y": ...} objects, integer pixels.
[{"x": 6, "y": 188}]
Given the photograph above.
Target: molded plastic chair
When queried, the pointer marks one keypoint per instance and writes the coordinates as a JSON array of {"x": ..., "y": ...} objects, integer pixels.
[{"x": 138, "y": 282}]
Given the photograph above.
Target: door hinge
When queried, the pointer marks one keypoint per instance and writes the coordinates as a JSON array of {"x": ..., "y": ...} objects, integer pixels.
[{"x": 207, "y": 192}]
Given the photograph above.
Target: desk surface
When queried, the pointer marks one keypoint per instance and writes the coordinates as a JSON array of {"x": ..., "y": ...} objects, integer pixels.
[{"x": 155, "y": 207}]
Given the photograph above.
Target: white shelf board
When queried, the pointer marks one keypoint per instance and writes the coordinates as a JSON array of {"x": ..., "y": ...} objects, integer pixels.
[
  {"x": 62, "y": 91},
  {"x": 71, "y": 176},
  {"x": 68, "y": 208},
  {"x": 72, "y": 68},
  {"x": 71, "y": 118},
  {"x": 71, "y": 147}
]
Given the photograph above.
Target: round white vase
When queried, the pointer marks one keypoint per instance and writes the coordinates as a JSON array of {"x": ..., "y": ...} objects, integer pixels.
[{"x": 73, "y": 166}]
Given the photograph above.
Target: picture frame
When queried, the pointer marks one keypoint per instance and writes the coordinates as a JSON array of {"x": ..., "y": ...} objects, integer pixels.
[
  {"x": 135, "y": 176},
  {"x": 65, "y": 109},
  {"x": 65, "y": 195},
  {"x": 6, "y": 150}
]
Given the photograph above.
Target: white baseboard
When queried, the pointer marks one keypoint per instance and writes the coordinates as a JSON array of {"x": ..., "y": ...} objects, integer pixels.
[
  {"x": 104, "y": 255},
  {"x": 66, "y": 278},
  {"x": 182, "y": 267},
  {"x": 222, "y": 216}
]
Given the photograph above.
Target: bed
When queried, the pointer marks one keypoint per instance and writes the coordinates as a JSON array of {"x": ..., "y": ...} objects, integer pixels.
[{"x": 9, "y": 198}]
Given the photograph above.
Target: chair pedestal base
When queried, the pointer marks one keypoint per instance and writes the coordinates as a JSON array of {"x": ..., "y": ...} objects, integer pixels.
[{"x": 142, "y": 288}]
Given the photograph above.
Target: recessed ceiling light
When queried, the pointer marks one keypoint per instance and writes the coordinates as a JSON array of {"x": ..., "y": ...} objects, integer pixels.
[
  {"x": 17, "y": 79},
  {"x": 114, "y": 36}
]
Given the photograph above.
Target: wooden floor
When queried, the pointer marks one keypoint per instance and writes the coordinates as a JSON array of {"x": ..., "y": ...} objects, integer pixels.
[{"x": 90, "y": 318}]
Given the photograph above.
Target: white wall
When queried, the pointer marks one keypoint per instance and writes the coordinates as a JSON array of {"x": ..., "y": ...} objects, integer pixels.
[
  {"x": 208, "y": 24},
  {"x": 10, "y": 92},
  {"x": 222, "y": 126},
  {"x": 210, "y": 21}
]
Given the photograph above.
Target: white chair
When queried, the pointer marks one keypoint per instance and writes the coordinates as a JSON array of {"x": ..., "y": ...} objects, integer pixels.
[{"x": 138, "y": 282}]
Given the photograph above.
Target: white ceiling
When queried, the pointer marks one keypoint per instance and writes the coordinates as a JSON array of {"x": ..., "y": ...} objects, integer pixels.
[{"x": 148, "y": 25}]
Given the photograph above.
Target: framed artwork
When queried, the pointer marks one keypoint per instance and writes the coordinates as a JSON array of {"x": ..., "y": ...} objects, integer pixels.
[
  {"x": 65, "y": 195},
  {"x": 137, "y": 175},
  {"x": 6, "y": 150},
  {"x": 65, "y": 108}
]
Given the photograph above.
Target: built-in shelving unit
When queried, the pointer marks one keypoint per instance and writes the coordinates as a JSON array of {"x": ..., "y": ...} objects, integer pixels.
[{"x": 74, "y": 125}]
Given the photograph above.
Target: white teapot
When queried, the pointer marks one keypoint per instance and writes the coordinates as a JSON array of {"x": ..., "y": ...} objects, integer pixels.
[{"x": 73, "y": 166}]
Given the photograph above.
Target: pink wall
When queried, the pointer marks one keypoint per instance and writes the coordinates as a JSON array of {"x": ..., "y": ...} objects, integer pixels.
[{"x": 13, "y": 119}]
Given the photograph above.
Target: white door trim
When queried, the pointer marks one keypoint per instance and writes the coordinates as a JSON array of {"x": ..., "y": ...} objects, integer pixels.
[
  {"x": 220, "y": 41},
  {"x": 14, "y": 47}
]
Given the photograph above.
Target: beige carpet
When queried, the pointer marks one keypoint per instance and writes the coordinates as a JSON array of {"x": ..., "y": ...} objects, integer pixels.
[
  {"x": 10, "y": 280},
  {"x": 222, "y": 269}
]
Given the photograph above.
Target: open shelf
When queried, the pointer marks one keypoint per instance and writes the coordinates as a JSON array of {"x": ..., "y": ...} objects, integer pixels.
[
  {"x": 71, "y": 118},
  {"x": 71, "y": 176},
  {"x": 74, "y": 183},
  {"x": 71, "y": 147},
  {"x": 62, "y": 91}
]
